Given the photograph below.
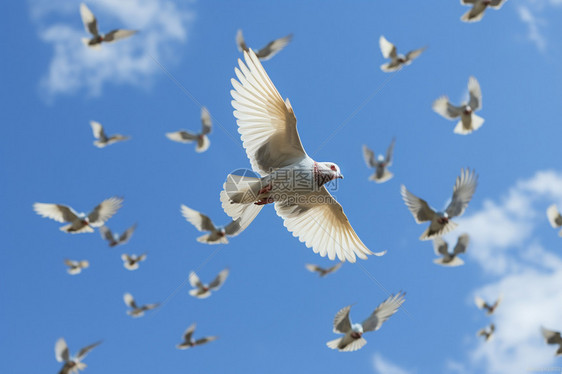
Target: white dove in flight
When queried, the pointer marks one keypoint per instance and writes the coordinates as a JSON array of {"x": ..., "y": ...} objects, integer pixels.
[
  {"x": 380, "y": 164},
  {"x": 202, "y": 291},
  {"x": 202, "y": 139},
  {"x": 131, "y": 262},
  {"x": 469, "y": 121},
  {"x": 216, "y": 235},
  {"x": 79, "y": 222},
  {"x": 322, "y": 272},
  {"x": 554, "y": 338},
  {"x": 267, "y": 52},
  {"x": 189, "y": 342},
  {"x": 353, "y": 338},
  {"x": 441, "y": 248},
  {"x": 487, "y": 332},
  {"x": 74, "y": 364},
  {"x": 75, "y": 267},
  {"x": 289, "y": 177},
  {"x": 388, "y": 50},
  {"x": 102, "y": 140},
  {"x": 478, "y": 7},
  {"x": 115, "y": 239},
  {"x": 441, "y": 221},
  {"x": 136, "y": 311},
  {"x": 490, "y": 309},
  {"x": 91, "y": 25}
]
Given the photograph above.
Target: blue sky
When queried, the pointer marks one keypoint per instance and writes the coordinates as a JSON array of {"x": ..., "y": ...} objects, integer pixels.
[{"x": 272, "y": 315}]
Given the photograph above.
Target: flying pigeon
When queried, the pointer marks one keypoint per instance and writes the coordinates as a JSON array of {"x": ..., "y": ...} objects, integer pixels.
[
  {"x": 396, "y": 61},
  {"x": 91, "y": 25},
  {"x": 290, "y": 178},
  {"x": 137, "y": 311},
  {"x": 554, "y": 217},
  {"x": 72, "y": 365},
  {"x": 189, "y": 342},
  {"x": 79, "y": 222},
  {"x": 441, "y": 221},
  {"x": 102, "y": 139},
  {"x": 131, "y": 262},
  {"x": 267, "y": 52},
  {"x": 487, "y": 332},
  {"x": 469, "y": 121},
  {"x": 115, "y": 239},
  {"x": 322, "y": 272},
  {"x": 380, "y": 164},
  {"x": 478, "y": 7},
  {"x": 553, "y": 337},
  {"x": 481, "y": 304},
  {"x": 202, "y": 139},
  {"x": 216, "y": 235},
  {"x": 75, "y": 267},
  {"x": 441, "y": 248},
  {"x": 202, "y": 291},
  {"x": 353, "y": 338}
]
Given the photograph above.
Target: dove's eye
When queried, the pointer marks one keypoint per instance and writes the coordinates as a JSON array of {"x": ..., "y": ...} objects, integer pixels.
[{"x": 333, "y": 167}]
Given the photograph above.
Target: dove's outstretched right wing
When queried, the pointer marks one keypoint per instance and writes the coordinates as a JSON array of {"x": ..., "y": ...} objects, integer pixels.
[
  {"x": 97, "y": 130},
  {"x": 194, "y": 280},
  {"x": 462, "y": 244},
  {"x": 84, "y": 351},
  {"x": 88, "y": 19},
  {"x": 475, "y": 94},
  {"x": 118, "y": 34},
  {"x": 129, "y": 300},
  {"x": 418, "y": 207},
  {"x": 219, "y": 280},
  {"x": 61, "y": 351},
  {"x": 342, "y": 324},
  {"x": 104, "y": 211},
  {"x": 206, "y": 123},
  {"x": 443, "y": 107},
  {"x": 321, "y": 224},
  {"x": 369, "y": 157},
  {"x": 240, "y": 43},
  {"x": 554, "y": 216},
  {"x": 274, "y": 47},
  {"x": 199, "y": 220},
  {"x": 59, "y": 213},
  {"x": 440, "y": 247},
  {"x": 390, "y": 152},
  {"x": 388, "y": 49},
  {"x": 267, "y": 124},
  {"x": 465, "y": 186},
  {"x": 383, "y": 312}
]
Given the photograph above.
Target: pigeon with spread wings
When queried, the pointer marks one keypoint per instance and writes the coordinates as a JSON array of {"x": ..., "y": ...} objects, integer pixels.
[
  {"x": 388, "y": 50},
  {"x": 216, "y": 235},
  {"x": 441, "y": 221},
  {"x": 478, "y": 8},
  {"x": 469, "y": 121},
  {"x": 75, "y": 267},
  {"x": 490, "y": 309},
  {"x": 353, "y": 338},
  {"x": 79, "y": 222},
  {"x": 267, "y": 52},
  {"x": 189, "y": 342},
  {"x": 202, "y": 139},
  {"x": 202, "y": 291},
  {"x": 322, "y": 272},
  {"x": 554, "y": 338},
  {"x": 131, "y": 262},
  {"x": 487, "y": 332},
  {"x": 380, "y": 164},
  {"x": 91, "y": 25},
  {"x": 289, "y": 177},
  {"x": 74, "y": 364},
  {"x": 102, "y": 140},
  {"x": 137, "y": 311},
  {"x": 441, "y": 248},
  {"x": 116, "y": 239}
]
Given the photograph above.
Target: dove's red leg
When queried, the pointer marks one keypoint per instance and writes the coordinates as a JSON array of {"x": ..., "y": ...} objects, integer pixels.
[
  {"x": 265, "y": 189},
  {"x": 267, "y": 200}
]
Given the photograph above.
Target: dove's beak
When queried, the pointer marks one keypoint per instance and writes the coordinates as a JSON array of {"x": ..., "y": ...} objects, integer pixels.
[{"x": 340, "y": 175}]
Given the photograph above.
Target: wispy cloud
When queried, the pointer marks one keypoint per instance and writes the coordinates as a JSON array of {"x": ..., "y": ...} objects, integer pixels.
[
  {"x": 74, "y": 67},
  {"x": 383, "y": 366},
  {"x": 533, "y": 23}
]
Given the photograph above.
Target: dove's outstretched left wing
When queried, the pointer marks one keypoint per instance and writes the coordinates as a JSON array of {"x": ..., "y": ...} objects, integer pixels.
[
  {"x": 390, "y": 152},
  {"x": 475, "y": 94},
  {"x": 418, "y": 207},
  {"x": 114, "y": 35},
  {"x": 84, "y": 351},
  {"x": 267, "y": 124},
  {"x": 197, "y": 219},
  {"x": 273, "y": 47},
  {"x": 342, "y": 323},
  {"x": 89, "y": 20},
  {"x": 462, "y": 244},
  {"x": 440, "y": 247},
  {"x": 388, "y": 49},
  {"x": 104, "y": 211},
  {"x": 465, "y": 186},
  {"x": 383, "y": 312},
  {"x": 321, "y": 224},
  {"x": 219, "y": 280},
  {"x": 369, "y": 157},
  {"x": 61, "y": 351}
]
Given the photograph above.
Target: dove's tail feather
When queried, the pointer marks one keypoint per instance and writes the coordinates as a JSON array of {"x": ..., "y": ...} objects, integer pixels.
[
  {"x": 206, "y": 239},
  {"x": 454, "y": 262},
  {"x": 386, "y": 176},
  {"x": 389, "y": 67},
  {"x": 344, "y": 345},
  {"x": 475, "y": 123},
  {"x": 430, "y": 233},
  {"x": 471, "y": 17},
  {"x": 130, "y": 266},
  {"x": 203, "y": 144},
  {"x": 241, "y": 189},
  {"x": 195, "y": 293}
]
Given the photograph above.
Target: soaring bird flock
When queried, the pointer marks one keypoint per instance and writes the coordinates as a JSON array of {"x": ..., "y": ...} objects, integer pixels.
[{"x": 287, "y": 177}]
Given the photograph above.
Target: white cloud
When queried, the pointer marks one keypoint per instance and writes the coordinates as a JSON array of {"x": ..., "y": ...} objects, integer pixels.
[
  {"x": 533, "y": 23},
  {"x": 383, "y": 366},
  {"x": 162, "y": 24}
]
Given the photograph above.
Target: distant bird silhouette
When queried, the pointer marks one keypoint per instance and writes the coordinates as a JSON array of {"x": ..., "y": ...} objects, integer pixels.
[
  {"x": 216, "y": 235},
  {"x": 137, "y": 311},
  {"x": 131, "y": 262},
  {"x": 91, "y": 25},
  {"x": 267, "y": 52},
  {"x": 353, "y": 338},
  {"x": 189, "y": 342},
  {"x": 74, "y": 364},
  {"x": 79, "y": 222},
  {"x": 322, "y": 272},
  {"x": 554, "y": 338},
  {"x": 441, "y": 248},
  {"x": 75, "y": 267},
  {"x": 202, "y": 139},
  {"x": 113, "y": 238},
  {"x": 388, "y": 50},
  {"x": 554, "y": 217},
  {"x": 441, "y": 221},
  {"x": 490, "y": 309},
  {"x": 102, "y": 139},
  {"x": 478, "y": 7},
  {"x": 487, "y": 332},
  {"x": 202, "y": 291},
  {"x": 381, "y": 164},
  {"x": 469, "y": 121}
]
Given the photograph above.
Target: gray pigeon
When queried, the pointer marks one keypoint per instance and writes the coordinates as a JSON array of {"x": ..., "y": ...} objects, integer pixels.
[
  {"x": 137, "y": 311},
  {"x": 554, "y": 217},
  {"x": 75, "y": 267},
  {"x": 322, "y": 272},
  {"x": 487, "y": 332},
  {"x": 216, "y": 235},
  {"x": 91, "y": 25},
  {"x": 202, "y": 139},
  {"x": 478, "y": 7},
  {"x": 102, "y": 140},
  {"x": 553, "y": 337},
  {"x": 189, "y": 342},
  {"x": 353, "y": 338},
  {"x": 388, "y": 50},
  {"x": 74, "y": 364},
  {"x": 267, "y": 52},
  {"x": 441, "y": 221},
  {"x": 113, "y": 238},
  {"x": 441, "y": 248},
  {"x": 79, "y": 222},
  {"x": 381, "y": 164},
  {"x": 490, "y": 309},
  {"x": 202, "y": 291},
  {"x": 131, "y": 262},
  {"x": 469, "y": 121}
]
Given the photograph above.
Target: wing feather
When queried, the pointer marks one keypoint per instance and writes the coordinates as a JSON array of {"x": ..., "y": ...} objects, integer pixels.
[
  {"x": 342, "y": 323},
  {"x": 465, "y": 187},
  {"x": 104, "y": 211},
  {"x": 418, "y": 207},
  {"x": 59, "y": 213},
  {"x": 383, "y": 312},
  {"x": 197, "y": 219}
]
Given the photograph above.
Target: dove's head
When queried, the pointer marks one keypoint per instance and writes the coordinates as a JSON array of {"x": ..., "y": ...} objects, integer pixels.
[
  {"x": 467, "y": 109},
  {"x": 380, "y": 158},
  {"x": 356, "y": 330},
  {"x": 329, "y": 171}
]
